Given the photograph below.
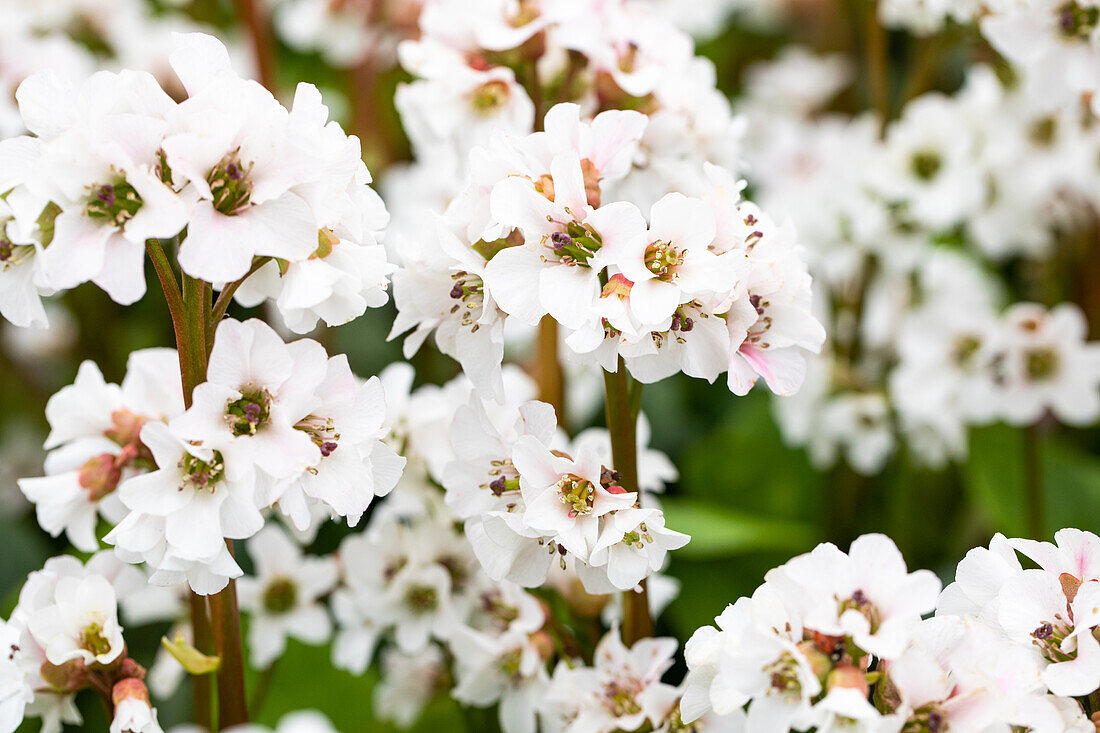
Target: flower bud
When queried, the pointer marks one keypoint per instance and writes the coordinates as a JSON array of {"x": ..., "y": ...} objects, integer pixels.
[
  {"x": 100, "y": 476},
  {"x": 129, "y": 688},
  {"x": 820, "y": 662},
  {"x": 68, "y": 677},
  {"x": 544, "y": 643},
  {"x": 849, "y": 678}
]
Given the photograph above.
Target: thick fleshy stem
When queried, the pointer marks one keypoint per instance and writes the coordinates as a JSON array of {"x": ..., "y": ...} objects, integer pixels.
[
  {"x": 188, "y": 327},
  {"x": 622, "y": 423},
  {"x": 250, "y": 13},
  {"x": 225, "y": 297},
  {"x": 548, "y": 373},
  {"x": 224, "y": 615}
]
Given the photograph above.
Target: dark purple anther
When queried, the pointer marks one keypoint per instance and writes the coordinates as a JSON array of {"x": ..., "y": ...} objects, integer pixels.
[
  {"x": 687, "y": 325},
  {"x": 456, "y": 291},
  {"x": 327, "y": 448},
  {"x": 675, "y": 321},
  {"x": 6, "y": 249},
  {"x": 106, "y": 194},
  {"x": 859, "y": 597},
  {"x": 1044, "y": 632},
  {"x": 755, "y": 301},
  {"x": 497, "y": 487},
  {"x": 234, "y": 172},
  {"x": 1067, "y": 20},
  {"x": 252, "y": 412},
  {"x": 935, "y": 722},
  {"x": 561, "y": 239}
]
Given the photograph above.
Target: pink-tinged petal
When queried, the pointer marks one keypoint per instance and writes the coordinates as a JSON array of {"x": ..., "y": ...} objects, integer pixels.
[
  {"x": 217, "y": 247},
  {"x": 741, "y": 376},
  {"x": 654, "y": 301},
  {"x": 536, "y": 463},
  {"x": 514, "y": 202},
  {"x": 77, "y": 251},
  {"x": 194, "y": 530},
  {"x": 784, "y": 369},
  {"x": 198, "y": 59},
  {"x": 622, "y": 229},
  {"x": 569, "y": 193},
  {"x": 686, "y": 222},
  {"x": 568, "y": 292},
  {"x": 512, "y": 277},
  {"x": 123, "y": 273},
  {"x": 615, "y": 134},
  {"x": 284, "y": 227}
]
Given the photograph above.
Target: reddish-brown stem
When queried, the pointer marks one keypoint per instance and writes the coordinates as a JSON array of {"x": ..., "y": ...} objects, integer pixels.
[
  {"x": 251, "y": 15},
  {"x": 622, "y": 425},
  {"x": 201, "y": 684},
  {"x": 548, "y": 373},
  {"x": 225, "y": 297}
]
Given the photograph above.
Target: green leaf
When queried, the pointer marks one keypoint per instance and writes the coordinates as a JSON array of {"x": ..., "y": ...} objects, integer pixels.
[
  {"x": 993, "y": 478},
  {"x": 194, "y": 661},
  {"x": 719, "y": 532}
]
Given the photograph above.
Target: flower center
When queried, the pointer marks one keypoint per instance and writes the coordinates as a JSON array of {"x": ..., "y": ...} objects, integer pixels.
[
  {"x": 575, "y": 245},
  {"x": 510, "y": 663},
  {"x": 1041, "y": 363},
  {"x": 115, "y": 203},
  {"x": 925, "y": 164},
  {"x": 620, "y": 700},
  {"x": 861, "y": 603},
  {"x": 576, "y": 493},
  {"x": 489, "y": 97},
  {"x": 322, "y": 431},
  {"x": 200, "y": 474},
  {"x": 422, "y": 598},
  {"x": 1077, "y": 22},
  {"x": 783, "y": 674},
  {"x": 93, "y": 640},
  {"x": 229, "y": 184},
  {"x": 965, "y": 347},
  {"x": 280, "y": 595},
  {"x": 662, "y": 259},
  {"x": 249, "y": 413},
  {"x": 925, "y": 719}
]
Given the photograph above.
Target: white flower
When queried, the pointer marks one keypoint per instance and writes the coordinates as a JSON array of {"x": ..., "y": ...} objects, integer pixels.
[
  {"x": 507, "y": 669},
  {"x": 632, "y": 544},
  {"x": 82, "y": 623},
  {"x": 565, "y": 244},
  {"x": 1054, "y": 42},
  {"x": 354, "y": 465},
  {"x": 1048, "y": 365},
  {"x": 673, "y": 263},
  {"x": 15, "y": 692},
  {"x": 232, "y": 143},
  {"x": 282, "y": 598},
  {"x": 565, "y": 498},
  {"x": 866, "y": 594},
  {"x": 257, "y": 390},
  {"x": 408, "y": 682},
  {"x": 622, "y": 691},
  {"x": 201, "y": 499},
  {"x": 440, "y": 287},
  {"x": 133, "y": 713},
  {"x": 95, "y": 436}
]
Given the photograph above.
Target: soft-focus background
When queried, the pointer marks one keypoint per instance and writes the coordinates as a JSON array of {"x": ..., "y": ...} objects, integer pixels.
[{"x": 749, "y": 500}]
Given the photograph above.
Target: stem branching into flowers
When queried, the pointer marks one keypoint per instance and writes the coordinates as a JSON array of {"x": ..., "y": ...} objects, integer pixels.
[
  {"x": 225, "y": 297},
  {"x": 192, "y": 316},
  {"x": 622, "y": 422}
]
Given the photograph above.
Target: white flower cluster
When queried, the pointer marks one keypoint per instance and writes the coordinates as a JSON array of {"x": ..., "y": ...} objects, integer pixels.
[
  {"x": 836, "y": 641},
  {"x": 409, "y": 589},
  {"x": 275, "y": 423},
  {"x": 501, "y": 64},
  {"x": 902, "y": 234},
  {"x": 116, "y": 162},
  {"x": 708, "y": 285},
  {"x": 64, "y": 636}
]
